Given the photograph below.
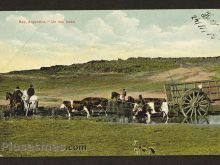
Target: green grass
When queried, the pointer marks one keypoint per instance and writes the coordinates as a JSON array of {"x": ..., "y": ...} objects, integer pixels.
[
  {"x": 55, "y": 88},
  {"x": 103, "y": 139},
  {"x": 214, "y": 68},
  {"x": 78, "y": 81}
]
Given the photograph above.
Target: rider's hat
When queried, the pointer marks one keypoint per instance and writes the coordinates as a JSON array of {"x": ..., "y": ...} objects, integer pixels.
[
  {"x": 31, "y": 85},
  {"x": 17, "y": 87}
]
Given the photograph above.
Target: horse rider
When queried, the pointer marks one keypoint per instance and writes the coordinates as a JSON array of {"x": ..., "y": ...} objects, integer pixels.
[
  {"x": 17, "y": 94},
  {"x": 123, "y": 95},
  {"x": 30, "y": 92},
  {"x": 141, "y": 101}
]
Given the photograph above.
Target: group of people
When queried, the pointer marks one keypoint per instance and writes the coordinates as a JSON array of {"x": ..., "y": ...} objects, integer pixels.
[{"x": 17, "y": 94}]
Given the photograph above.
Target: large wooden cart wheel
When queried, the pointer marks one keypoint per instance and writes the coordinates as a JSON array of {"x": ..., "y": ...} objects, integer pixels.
[{"x": 195, "y": 103}]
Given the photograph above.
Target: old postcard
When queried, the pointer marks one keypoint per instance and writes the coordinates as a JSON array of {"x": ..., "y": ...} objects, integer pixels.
[{"x": 109, "y": 82}]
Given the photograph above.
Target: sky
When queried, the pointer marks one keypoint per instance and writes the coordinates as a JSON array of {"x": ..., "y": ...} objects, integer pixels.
[{"x": 33, "y": 39}]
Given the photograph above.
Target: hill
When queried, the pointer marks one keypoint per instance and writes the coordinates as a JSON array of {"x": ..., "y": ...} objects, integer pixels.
[
  {"x": 129, "y": 65},
  {"x": 145, "y": 76}
]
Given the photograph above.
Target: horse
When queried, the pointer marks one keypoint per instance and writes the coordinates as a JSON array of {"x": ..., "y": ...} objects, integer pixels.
[
  {"x": 30, "y": 104},
  {"x": 16, "y": 106},
  {"x": 9, "y": 96}
]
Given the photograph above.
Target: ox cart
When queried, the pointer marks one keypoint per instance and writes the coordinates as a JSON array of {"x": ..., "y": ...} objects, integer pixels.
[
  {"x": 119, "y": 107},
  {"x": 192, "y": 98}
]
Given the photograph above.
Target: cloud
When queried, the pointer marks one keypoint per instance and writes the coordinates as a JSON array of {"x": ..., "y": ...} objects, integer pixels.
[
  {"x": 109, "y": 36},
  {"x": 121, "y": 23},
  {"x": 47, "y": 15},
  {"x": 98, "y": 27},
  {"x": 16, "y": 21}
]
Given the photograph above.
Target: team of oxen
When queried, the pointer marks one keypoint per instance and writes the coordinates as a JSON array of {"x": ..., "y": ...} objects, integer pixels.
[{"x": 140, "y": 108}]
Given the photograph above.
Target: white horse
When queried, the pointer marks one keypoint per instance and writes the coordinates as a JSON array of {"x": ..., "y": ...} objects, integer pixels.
[
  {"x": 31, "y": 104},
  {"x": 164, "y": 110}
]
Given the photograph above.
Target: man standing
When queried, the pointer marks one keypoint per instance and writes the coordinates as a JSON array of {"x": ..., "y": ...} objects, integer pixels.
[
  {"x": 124, "y": 93},
  {"x": 30, "y": 91}
]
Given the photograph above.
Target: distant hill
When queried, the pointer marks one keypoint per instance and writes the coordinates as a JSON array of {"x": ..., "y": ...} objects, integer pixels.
[{"x": 126, "y": 66}]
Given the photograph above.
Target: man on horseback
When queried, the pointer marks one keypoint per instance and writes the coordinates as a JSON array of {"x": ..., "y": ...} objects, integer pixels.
[
  {"x": 17, "y": 102},
  {"x": 17, "y": 95},
  {"x": 30, "y": 91},
  {"x": 30, "y": 101},
  {"x": 141, "y": 101}
]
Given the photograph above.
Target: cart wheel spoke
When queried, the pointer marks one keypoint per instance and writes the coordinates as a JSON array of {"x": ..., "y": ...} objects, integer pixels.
[
  {"x": 200, "y": 98},
  {"x": 190, "y": 97},
  {"x": 205, "y": 102},
  {"x": 191, "y": 113},
  {"x": 204, "y": 105},
  {"x": 189, "y": 110},
  {"x": 187, "y": 107},
  {"x": 197, "y": 94},
  {"x": 199, "y": 113},
  {"x": 203, "y": 110},
  {"x": 195, "y": 113},
  {"x": 187, "y": 99}
]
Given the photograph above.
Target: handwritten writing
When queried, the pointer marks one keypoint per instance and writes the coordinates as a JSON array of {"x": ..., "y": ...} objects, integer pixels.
[{"x": 199, "y": 22}]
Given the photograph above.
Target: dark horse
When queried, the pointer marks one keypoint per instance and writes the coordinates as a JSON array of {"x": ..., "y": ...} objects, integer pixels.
[
  {"x": 16, "y": 106},
  {"x": 115, "y": 95}
]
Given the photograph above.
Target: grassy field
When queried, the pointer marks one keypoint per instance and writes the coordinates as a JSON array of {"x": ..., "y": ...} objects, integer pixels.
[
  {"x": 103, "y": 139},
  {"x": 144, "y": 76},
  {"x": 52, "y": 89}
]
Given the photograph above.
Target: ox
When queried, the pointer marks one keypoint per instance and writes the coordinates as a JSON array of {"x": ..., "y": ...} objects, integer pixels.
[
  {"x": 149, "y": 108},
  {"x": 99, "y": 103},
  {"x": 131, "y": 99},
  {"x": 115, "y": 95},
  {"x": 75, "y": 106},
  {"x": 157, "y": 103}
]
